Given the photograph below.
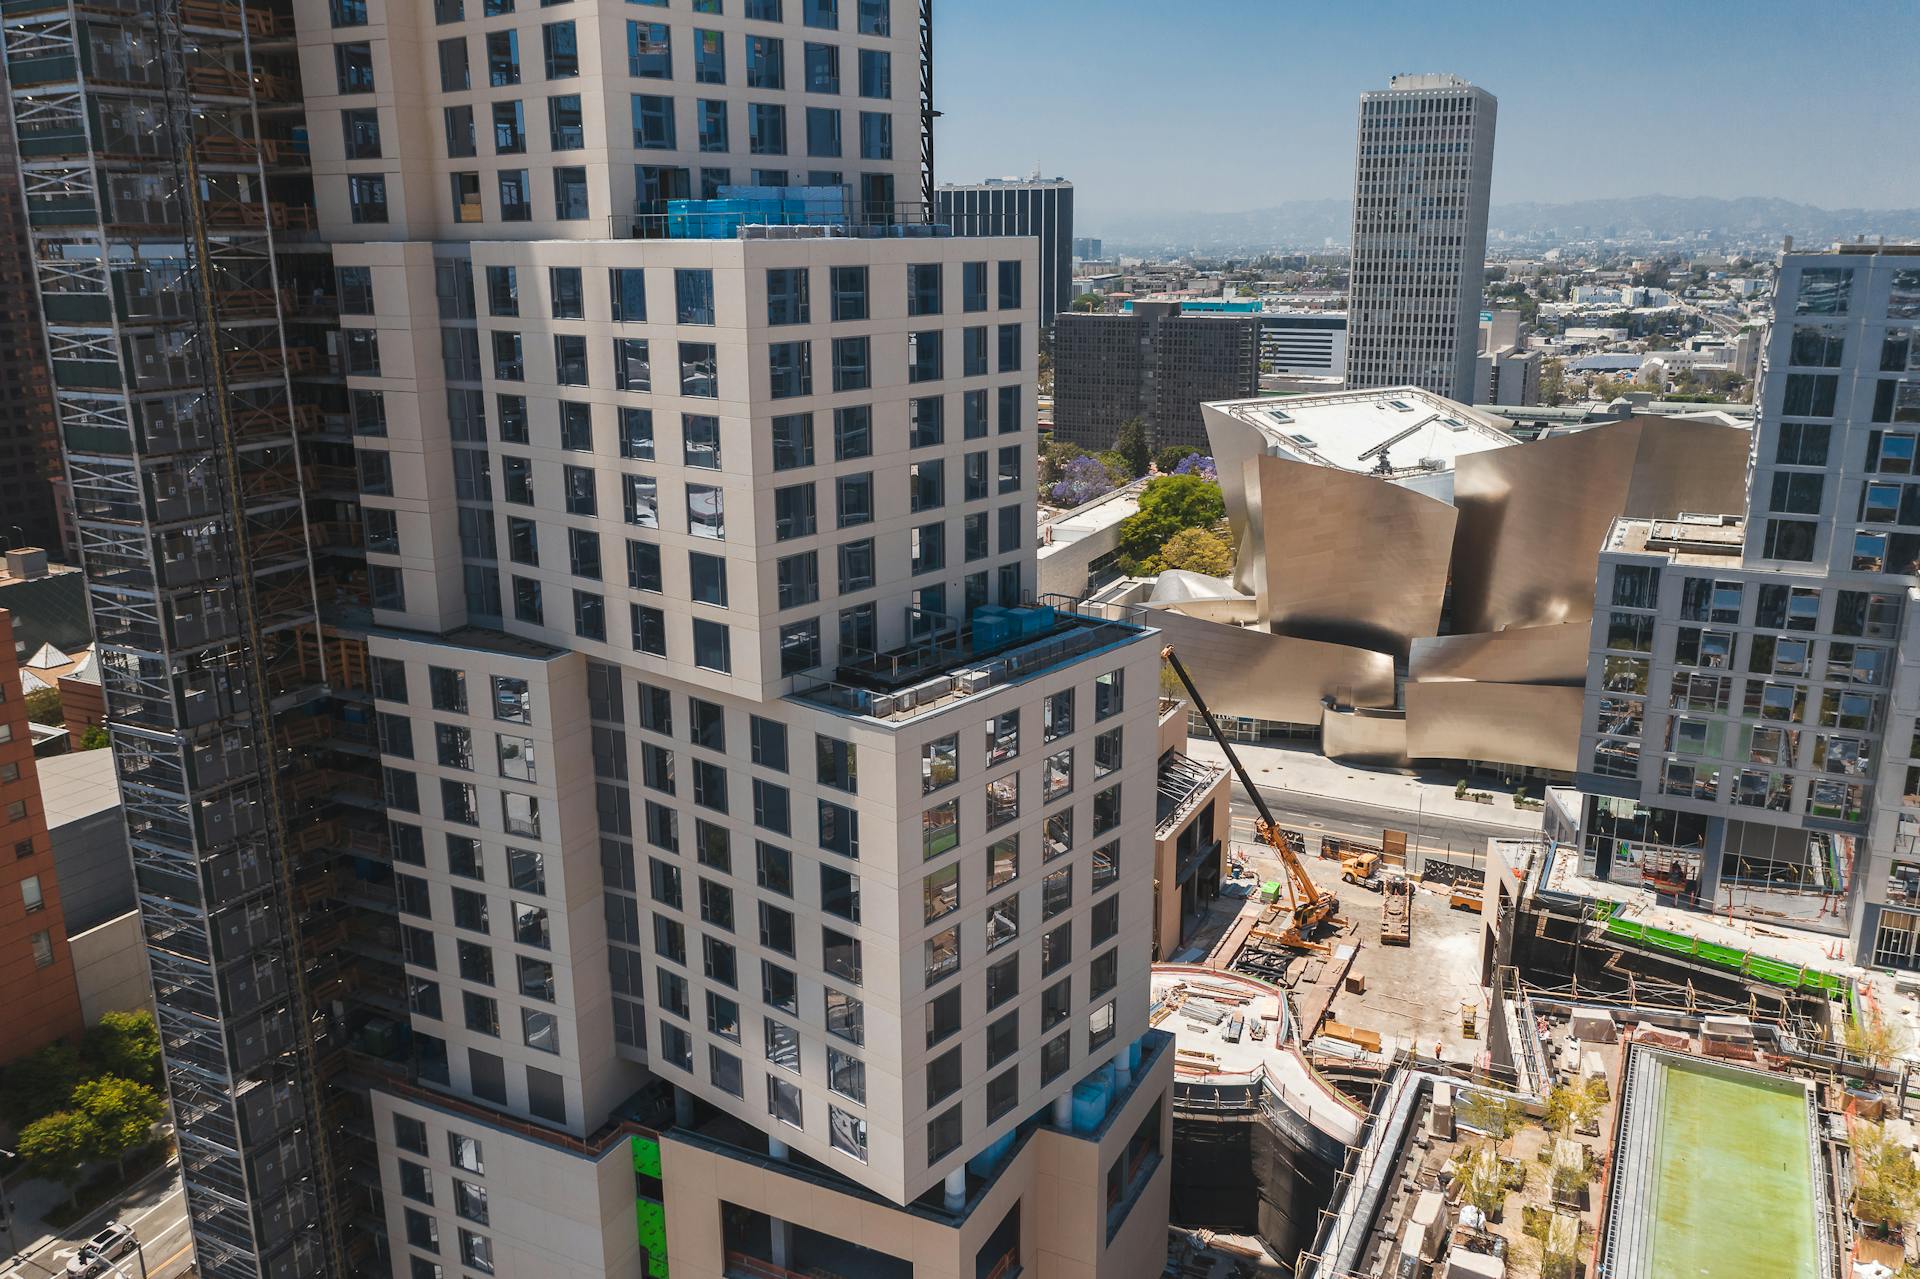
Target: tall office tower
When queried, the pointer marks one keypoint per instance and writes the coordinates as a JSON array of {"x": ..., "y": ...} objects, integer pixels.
[
  {"x": 188, "y": 318},
  {"x": 1038, "y": 207},
  {"x": 755, "y": 838},
  {"x": 30, "y": 470},
  {"x": 1153, "y": 363},
  {"x": 1747, "y": 744},
  {"x": 1422, "y": 172}
]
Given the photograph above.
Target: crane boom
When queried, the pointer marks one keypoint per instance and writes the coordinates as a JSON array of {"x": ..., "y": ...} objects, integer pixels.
[{"x": 1311, "y": 907}]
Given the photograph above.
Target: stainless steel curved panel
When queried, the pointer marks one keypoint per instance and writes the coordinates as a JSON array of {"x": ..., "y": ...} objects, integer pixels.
[
  {"x": 1535, "y": 725},
  {"x": 1524, "y": 655},
  {"x": 1348, "y": 559},
  {"x": 1533, "y": 517},
  {"x": 1364, "y": 736},
  {"x": 1277, "y": 677}
]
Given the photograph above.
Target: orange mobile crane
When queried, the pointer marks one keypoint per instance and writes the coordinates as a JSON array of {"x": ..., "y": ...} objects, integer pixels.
[{"x": 1312, "y": 908}]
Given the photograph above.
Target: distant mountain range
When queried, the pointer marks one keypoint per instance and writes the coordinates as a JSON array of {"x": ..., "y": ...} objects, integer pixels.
[{"x": 1312, "y": 224}]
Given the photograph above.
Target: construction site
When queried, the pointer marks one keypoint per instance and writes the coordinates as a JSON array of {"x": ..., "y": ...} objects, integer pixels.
[{"x": 1384, "y": 1073}]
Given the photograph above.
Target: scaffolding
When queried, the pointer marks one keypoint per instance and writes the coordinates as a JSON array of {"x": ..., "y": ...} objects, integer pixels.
[{"x": 185, "y": 305}]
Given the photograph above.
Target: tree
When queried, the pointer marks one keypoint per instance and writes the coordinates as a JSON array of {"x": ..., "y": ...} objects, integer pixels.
[
  {"x": 1085, "y": 479},
  {"x": 123, "y": 1113},
  {"x": 1874, "y": 1039},
  {"x": 1131, "y": 444},
  {"x": 1498, "y": 1117},
  {"x": 1168, "y": 504},
  {"x": 1483, "y": 1182},
  {"x": 43, "y": 706},
  {"x": 39, "y": 1083},
  {"x": 57, "y": 1147},
  {"x": 94, "y": 738},
  {"x": 1553, "y": 381},
  {"x": 1054, "y": 459},
  {"x": 1171, "y": 456},
  {"x": 126, "y": 1044},
  {"x": 1886, "y": 1184},
  {"x": 1089, "y": 302},
  {"x": 1198, "y": 464},
  {"x": 1198, "y": 551}
]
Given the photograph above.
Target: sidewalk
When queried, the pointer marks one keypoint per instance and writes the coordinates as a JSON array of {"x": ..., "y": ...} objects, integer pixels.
[
  {"x": 1303, "y": 770},
  {"x": 33, "y": 1198}
]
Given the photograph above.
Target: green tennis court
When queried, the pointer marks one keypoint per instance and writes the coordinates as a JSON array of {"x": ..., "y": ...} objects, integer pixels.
[{"x": 1733, "y": 1177}]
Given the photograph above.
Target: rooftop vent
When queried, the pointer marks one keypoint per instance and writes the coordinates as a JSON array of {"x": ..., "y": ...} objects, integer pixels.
[
  {"x": 1400, "y": 406},
  {"x": 1305, "y": 441}
]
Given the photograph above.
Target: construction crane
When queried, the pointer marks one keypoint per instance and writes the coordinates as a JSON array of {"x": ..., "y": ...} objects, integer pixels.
[{"x": 1312, "y": 908}]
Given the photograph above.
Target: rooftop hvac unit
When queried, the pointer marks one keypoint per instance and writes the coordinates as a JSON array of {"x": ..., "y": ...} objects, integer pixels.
[
  {"x": 972, "y": 682},
  {"x": 906, "y": 699},
  {"x": 881, "y": 705},
  {"x": 932, "y": 690},
  {"x": 1433, "y": 464}
]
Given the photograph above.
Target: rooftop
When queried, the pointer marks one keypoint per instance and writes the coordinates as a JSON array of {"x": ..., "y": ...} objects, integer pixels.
[
  {"x": 1390, "y": 432},
  {"x": 1703, "y": 540},
  {"x": 1088, "y": 518},
  {"x": 77, "y": 785},
  {"x": 1715, "y": 1174},
  {"x": 996, "y": 646}
]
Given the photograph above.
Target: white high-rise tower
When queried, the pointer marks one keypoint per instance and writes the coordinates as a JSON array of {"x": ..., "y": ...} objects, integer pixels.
[{"x": 1423, "y": 168}]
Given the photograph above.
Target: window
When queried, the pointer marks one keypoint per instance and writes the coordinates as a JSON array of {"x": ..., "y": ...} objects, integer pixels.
[
  {"x": 709, "y": 57},
  {"x": 367, "y": 197},
  {"x": 973, "y": 286},
  {"x": 570, "y": 195},
  {"x": 712, "y": 646},
  {"x": 823, "y": 132},
  {"x": 794, "y": 513},
  {"x": 923, "y": 289},
  {"x": 650, "y": 50},
  {"x": 876, "y": 135},
  {"x": 790, "y": 369},
  {"x": 849, "y": 293},
  {"x": 822, "y": 68},
  {"x": 876, "y": 73},
  {"x": 652, "y": 122},
  {"x": 766, "y": 63},
  {"x": 767, "y": 130},
  {"x": 562, "y": 50},
  {"x": 565, "y": 298},
  {"x": 852, "y": 367},
  {"x": 699, "y": 377},
  {"x": 516, "y": 204},
  {"x": 1009, "y": 286},
  {"x": 769, "y": 740},
  {"x": 353, "y": 66}
]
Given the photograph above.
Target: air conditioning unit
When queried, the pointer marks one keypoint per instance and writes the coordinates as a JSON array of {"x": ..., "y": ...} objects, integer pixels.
[
  {"x": 881, "y": 705},
  {"x": 906, "y": 699},
  {"x": 972, "y": 682},
  {"x": 932, "y": 690}
]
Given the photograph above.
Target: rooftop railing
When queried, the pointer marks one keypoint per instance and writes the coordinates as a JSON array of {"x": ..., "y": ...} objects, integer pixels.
[{"x": 764, "y": 213}]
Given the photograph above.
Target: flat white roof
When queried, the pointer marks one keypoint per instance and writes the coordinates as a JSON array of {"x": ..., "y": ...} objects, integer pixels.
[
  {"x": 1092, "y": 517},
  {"x": 1391, "y": 432}
]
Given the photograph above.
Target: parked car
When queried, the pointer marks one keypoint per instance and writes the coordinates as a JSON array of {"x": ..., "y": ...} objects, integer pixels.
[{"x": 111, "y": 1244}]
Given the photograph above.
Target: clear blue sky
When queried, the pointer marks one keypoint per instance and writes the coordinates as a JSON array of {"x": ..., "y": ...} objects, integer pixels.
[{"x": 1224, "y": 105}]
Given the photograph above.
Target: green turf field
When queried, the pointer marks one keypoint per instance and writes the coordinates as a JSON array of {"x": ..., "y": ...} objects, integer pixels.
[{"x": 1734, "y": 1189}]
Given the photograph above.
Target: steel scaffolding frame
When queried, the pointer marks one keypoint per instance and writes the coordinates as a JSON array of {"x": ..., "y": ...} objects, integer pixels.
[{"x": 160, "y": 159}]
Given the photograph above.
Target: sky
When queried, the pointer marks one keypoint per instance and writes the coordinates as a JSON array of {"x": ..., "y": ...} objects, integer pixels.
[{"x": 1225, "y": 105}]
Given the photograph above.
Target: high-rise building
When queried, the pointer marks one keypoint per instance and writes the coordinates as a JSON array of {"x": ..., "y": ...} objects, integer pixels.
[
  {"x": 1423, "y": 169},
  {"x": 31, "y": 483},
  {"x": 1747, "y": 747},
  {"x": 674, "y": 796},
  {"x": 1310, "y": 342},
  {"x": 1153, "y": 363},
  {"x": 1041, "y": 208},
  {"x": 1087, "y": 246},
  {"x": 36, "y": 967}
]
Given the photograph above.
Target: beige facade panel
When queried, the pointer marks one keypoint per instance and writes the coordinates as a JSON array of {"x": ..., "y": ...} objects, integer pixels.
[
  {"x": 1366, "y": 736},
  {"x": 1275, "y": 677},
  {"x": 1533, "y": 518},
  {"x": 1524, "y": 655},
  {"x": 1056, "y": 1180},
  {"x": 1345, "y": 558},
  {"x": 1529, "y": 725}
]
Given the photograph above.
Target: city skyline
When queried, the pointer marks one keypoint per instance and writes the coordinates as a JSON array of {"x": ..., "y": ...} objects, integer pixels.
[{"x": 1634, "y": 76}]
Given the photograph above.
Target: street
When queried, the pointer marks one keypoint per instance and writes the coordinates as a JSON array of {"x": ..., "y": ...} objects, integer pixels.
[
  {"x": 1337, "y": 815},
  {"x": 156, "y": 1211}
]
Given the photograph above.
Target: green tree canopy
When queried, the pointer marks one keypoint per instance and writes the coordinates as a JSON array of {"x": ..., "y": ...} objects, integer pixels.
[
  {"x": 126, "y": 1044},
  {"x": 1198, "y": 551},
  {"x": 1171, "y": 456},
  {"x": 39, "y": 1083},
  {"x": 1088, "y": 302},
  {"x": 122, "y": 1112},
  {"x": 94, "y": 738},
  {"x": 1131, "y": 444},
  {"x": 57, "y": 1147},
  {"x": 1168, "y": 504},
  {"x": 43, "y": 706}
]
